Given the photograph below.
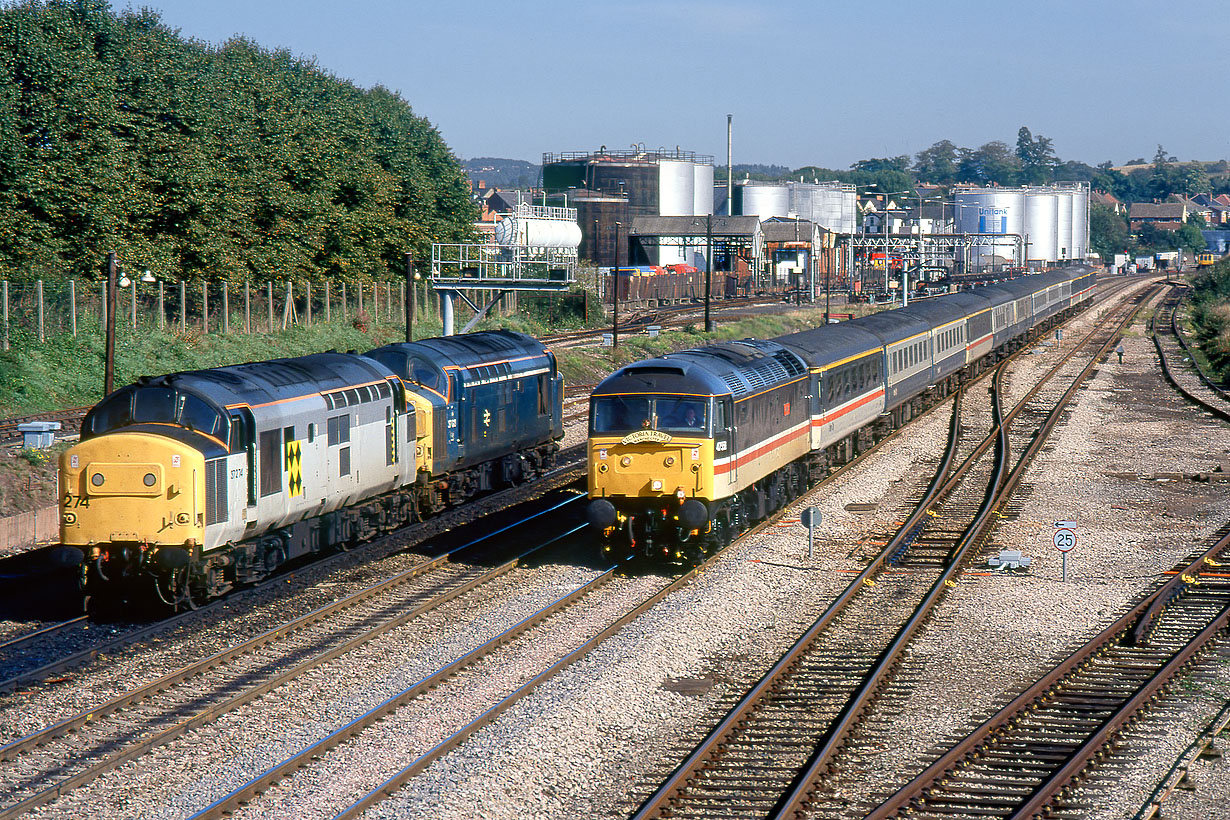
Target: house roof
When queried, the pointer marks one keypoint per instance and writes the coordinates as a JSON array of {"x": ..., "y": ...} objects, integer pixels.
[
  {"x": 1164, "y": 210},
  {"x": 778, "y": 229},
  {"x": 695, "y": 225}
]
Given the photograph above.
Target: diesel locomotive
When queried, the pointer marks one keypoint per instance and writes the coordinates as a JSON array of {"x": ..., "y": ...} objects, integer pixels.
[
  {"x": 686, "y": 450},
  {"x": 186, "y": 485}
]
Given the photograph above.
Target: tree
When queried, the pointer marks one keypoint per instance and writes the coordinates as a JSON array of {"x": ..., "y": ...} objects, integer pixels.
[
  {"x": 937, "y": 164},
  {"x": 992, "y": 164},
  {"x": 1036, "y": 157},
  {"x": 1108, "y": 231}
]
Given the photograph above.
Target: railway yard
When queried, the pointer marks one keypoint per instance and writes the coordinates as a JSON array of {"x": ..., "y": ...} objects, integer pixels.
[{"x": 487, "y": 663}]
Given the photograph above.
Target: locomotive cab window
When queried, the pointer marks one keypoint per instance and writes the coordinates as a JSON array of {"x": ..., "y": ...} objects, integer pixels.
[
  {"x": 620, "y": 414},
  {"x": 682, "y": 415}
]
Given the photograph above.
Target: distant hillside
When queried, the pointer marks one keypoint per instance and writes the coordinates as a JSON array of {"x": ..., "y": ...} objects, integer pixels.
[{"x": 502, "y": 173}]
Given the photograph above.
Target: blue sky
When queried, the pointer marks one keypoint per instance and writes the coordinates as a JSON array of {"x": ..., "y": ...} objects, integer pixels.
[{"x": 823, "y": 83}]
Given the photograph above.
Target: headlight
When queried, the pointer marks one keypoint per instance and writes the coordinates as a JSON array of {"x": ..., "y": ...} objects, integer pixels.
[
  {"x": 150, "y": 479},
  {"x": 97, "y": 479}
]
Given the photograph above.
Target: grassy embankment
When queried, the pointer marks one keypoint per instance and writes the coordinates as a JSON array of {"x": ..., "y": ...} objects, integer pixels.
[
  {"x": 1209, "y": 319},
  {"x": 66, "y": 372}
]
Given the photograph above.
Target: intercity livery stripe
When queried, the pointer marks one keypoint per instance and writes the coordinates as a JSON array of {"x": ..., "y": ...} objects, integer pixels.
[
  {"x": 849, "y": 407},
  {"x": 758, "y": 450},
  {"x": 977, "y": 342},
  {"x": 723, "y": 466}
]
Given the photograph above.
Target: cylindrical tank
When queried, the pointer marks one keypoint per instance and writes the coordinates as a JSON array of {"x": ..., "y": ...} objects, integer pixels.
[
  {"x": 832, "y": 205},
  {"x": 537, "y": 233},
  {"x": 676, "y": 187},
  {"x": 1080, "y": 223},
  {"x": 762, "y": 199},
  {"x": 992, "y": 211},
  {"x": 1063, "y": 223},
  {"x": 703, "y": 189},
  {"x": 1041, "y": 224}
]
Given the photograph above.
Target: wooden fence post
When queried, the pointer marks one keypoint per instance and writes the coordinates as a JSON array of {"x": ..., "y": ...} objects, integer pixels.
[
  {"x": 269, "y": 294},
  {"x": 309, "y": 303},
  {"x": 38, "y": 296},
  {"x": 247, "y": 309},
  {"x": 226, "y": 308},
  {"x": 183, "y": 306},
  {"x": 204, "y": 307},
  {"x": 72, "y": 298},
  {"x": 328, "y": 315}
]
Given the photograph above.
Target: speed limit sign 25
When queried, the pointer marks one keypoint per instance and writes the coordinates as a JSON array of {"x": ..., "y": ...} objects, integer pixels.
[{"x": 1065, "y": 539}]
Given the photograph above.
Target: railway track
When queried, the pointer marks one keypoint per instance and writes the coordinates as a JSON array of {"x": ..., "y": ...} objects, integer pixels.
[
  {"x": 1179, "y": 364},
  {"x": 264, "y": 784},
  {"x": 82, "y": 747},
  {"x": 1034, "y": 751},
  {"x": 766, "y": 756},
  {"x": 20, "y": 667}
]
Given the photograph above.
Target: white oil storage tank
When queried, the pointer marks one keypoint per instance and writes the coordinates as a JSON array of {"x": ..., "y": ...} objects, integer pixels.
[
  {"x": 1080, "y": 223},
  {"x": 762, "y": 199},
  {"x": 1042, "y": 225},
  {"x": 1063, "y": 224},
  {"x": 992, "y": 211},
  {"x": 702, "y": 202},
  {"x": 537, "y": 232},
  {"x": 676, "y": 187},
  {"x": 831, "y": 204}
]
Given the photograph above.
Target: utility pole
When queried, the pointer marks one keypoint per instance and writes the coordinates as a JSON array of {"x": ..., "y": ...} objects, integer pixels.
[
  {"x": 708, "y": 268},
  {"x": 615, "y": 294}
]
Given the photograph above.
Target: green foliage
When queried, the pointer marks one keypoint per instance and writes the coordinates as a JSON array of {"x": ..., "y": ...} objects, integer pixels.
[
  {"x": 68, "y": 372},
  {"x": 1108, "y": 231},
  {"x": 1210, "y": 316},
  {"x": 227, "y": 163}
]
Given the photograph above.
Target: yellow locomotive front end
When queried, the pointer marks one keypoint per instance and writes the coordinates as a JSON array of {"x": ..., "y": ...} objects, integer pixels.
[
  {"x": 651, "y": 475},
  {"x": 127, "y": 497}
]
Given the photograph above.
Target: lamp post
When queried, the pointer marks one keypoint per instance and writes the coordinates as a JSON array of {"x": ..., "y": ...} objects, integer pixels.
[
  {"x": 109, "y": 355},
  {"x": 412, "y": 278}
]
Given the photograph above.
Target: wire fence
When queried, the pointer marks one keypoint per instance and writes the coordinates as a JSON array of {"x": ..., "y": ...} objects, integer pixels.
[{"x": 38, "y": 310}]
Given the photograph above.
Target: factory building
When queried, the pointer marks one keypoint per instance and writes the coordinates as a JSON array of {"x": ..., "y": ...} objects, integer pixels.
[{"x": 610, "y": 189}]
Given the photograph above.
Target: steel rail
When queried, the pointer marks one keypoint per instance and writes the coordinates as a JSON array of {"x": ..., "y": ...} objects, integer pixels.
[
  {"x": 907, "y": 797},
  {"x": 794, "y": 804},
  {"x": 418, "y": 532},
  {"x": 659, "y": 802},
  {"x": 211, "y": 713},
  {"x": 18, "y": 640},
  {"x": 1220, "y": 412}
]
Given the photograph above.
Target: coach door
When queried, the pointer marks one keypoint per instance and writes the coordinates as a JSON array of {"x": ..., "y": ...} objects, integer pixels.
[{"x": 243, "y": 439}]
